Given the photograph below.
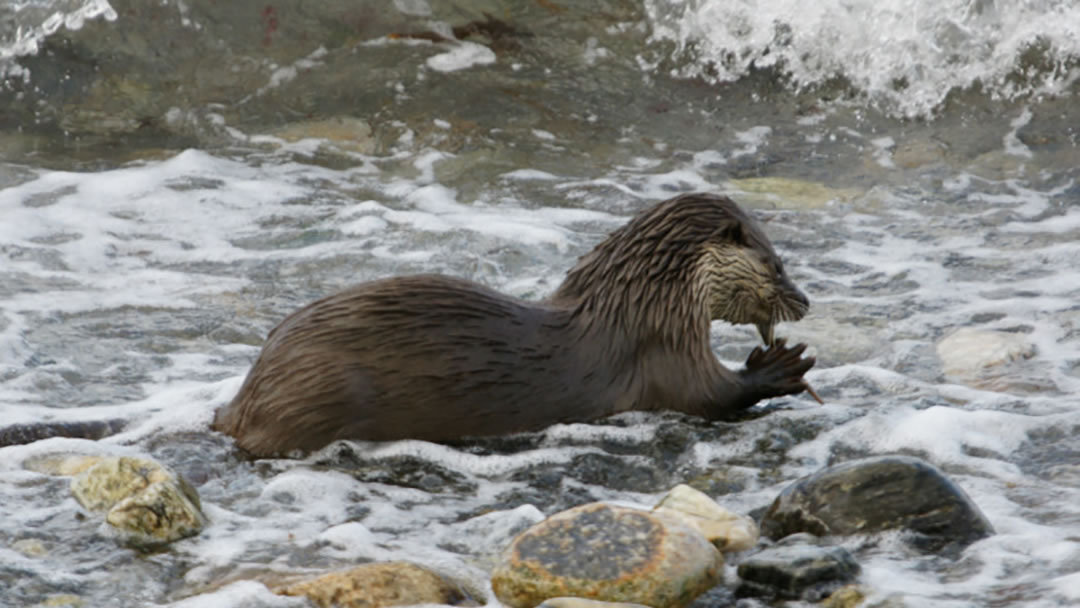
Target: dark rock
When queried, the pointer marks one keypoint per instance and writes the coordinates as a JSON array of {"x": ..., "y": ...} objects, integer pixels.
[
  {"x": 793, "y": 569},
  {"x": 880, "y": 493},
  {"x": 18, "y": 434}
]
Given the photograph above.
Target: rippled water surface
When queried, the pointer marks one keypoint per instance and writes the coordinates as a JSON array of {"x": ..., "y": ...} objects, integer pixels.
[{"x": 149, "y": 243}]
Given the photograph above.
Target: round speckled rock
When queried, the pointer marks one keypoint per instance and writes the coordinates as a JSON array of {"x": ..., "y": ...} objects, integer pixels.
[{"x": 609, "y": 553}]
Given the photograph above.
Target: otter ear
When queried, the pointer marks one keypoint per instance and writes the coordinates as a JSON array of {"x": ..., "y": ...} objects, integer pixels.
[{"x": 732, "y": 230}]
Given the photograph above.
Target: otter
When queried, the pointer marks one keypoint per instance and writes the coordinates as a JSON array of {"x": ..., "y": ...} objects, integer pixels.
[{"x": 439, "y": 358}]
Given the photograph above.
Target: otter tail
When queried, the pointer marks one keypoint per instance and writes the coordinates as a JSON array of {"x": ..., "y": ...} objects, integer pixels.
[{"x": 19, "y": 434}]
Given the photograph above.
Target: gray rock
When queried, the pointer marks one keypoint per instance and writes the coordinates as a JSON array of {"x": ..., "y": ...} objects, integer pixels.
[
  {"x": 876, "y": 494},
  {"x": 796, "y": 568},
  {"x": 607, "y": 553}
]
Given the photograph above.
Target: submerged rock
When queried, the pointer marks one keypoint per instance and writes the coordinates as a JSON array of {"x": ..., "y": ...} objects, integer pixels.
[
  {"x": 378, "y": 584},
  {"x": 146, "y": 502},
  {"x": 848, "y": 596},
  {"x": 727, "y": 531},
  {"x": 876, "y": 494},
  {"x": 610, "y": 553},
  {"x": 577, "y": 602},
  {"x": 790, "y": 193},
  {"x": 980, "y": 358},
  {"x": 794, "y": 569}
]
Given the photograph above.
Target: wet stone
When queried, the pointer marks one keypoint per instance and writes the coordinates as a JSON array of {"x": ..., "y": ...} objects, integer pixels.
[
  {"x": 985, "y": 359},
  {"x": 147, "y": 503},
  {"x": 876, "y": 494},
  {"x": 848, "y": 596},
  {"x": 378, "y": 584},
  {"x": 403, "y": 471},
  {"x": 577, "y": 602},
  {"x": 727, "y": 531},
  {"x": 793, "y": 569},
  {"x": 608, "y": 553}
]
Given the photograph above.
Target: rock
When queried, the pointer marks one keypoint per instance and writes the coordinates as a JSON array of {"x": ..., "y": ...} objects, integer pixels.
[
  {"x": 343, "y": 132},
  {"x": 377, "y": 584},
  {"x": 789, "y": 193},
  {"x": 918, "y": 153},
  {"x": 609, "y": 553},
  {"x": 848, "y": 596},
  {"x": 727, "y": 531},
  {"x": 147, "y": 503},
  {"x": 60, "y": 464},
  {"x": 838, "y": 343},
  {"x": 577, "y": 602},
  {"x": 63, "y": 599},
  {"x": 876, "y": 494},
  {"x": 30, "y": 547},
  {"x": 19, "y": 434},
  {"x": 980, "y": 358},
  {"x": 793, "y": 569}
]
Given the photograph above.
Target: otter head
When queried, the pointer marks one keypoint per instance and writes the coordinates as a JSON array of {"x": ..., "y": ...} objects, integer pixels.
[
  {"x": 690, "y": 257},
  {"x": 747, "y": 283}
]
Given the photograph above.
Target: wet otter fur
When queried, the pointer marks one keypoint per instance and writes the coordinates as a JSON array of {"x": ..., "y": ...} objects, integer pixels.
[{"x": 439, "y": 358}]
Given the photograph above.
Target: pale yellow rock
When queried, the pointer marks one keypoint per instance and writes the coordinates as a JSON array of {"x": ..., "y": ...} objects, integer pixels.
[
  {"x": 163, "y": 512},
  {"x": 577, "y": 602},
  {"x": 145, "y": 501},
  {"x": 727, "y": 531},
  {"x": 991, "y": 360},
  {"x": 968, "y": 350},
  {"x": 113, "y": 479},
  {"x": 375, "y": 585},
  {"x": 836, "y": 343},
  {"x": 30, "y": 547},
  {"x": 848, "y": 596},
  {"x": 64, "y": 599},
  {"x": 789, "y": 193},
  {"x": 343, "y": 132},
  {"x": 61, "y": 464}
]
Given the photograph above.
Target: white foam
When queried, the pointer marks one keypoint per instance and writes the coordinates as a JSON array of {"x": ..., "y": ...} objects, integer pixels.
[
  {"x": 241, "y": 594},
  {"x": 528, "y": 175},
  {"x": 905, "y": 55},
  {"x": 37, "y": 21},
  {"x": 1012, "y": 143},
  {"x": 286, "y": 74},
  {"x": 485, "y": 466},
  {"x": 461, "y": 56}
]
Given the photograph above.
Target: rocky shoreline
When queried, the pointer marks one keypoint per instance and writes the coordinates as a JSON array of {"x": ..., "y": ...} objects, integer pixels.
[{"x": 668, "y": 555}]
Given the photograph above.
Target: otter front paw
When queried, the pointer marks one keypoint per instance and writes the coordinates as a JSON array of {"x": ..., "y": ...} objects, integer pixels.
[{"x": 777, "y": 371}]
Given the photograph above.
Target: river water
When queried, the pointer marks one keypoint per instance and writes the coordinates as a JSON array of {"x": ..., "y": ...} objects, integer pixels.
[{"x": 175, "y": 180}]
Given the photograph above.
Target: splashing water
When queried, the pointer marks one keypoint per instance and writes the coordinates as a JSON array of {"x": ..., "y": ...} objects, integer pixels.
[{"x": 903, "y": 56}]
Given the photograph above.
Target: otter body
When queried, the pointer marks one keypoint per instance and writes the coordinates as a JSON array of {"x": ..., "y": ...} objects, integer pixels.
[{"x": 438, "y": 358}]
